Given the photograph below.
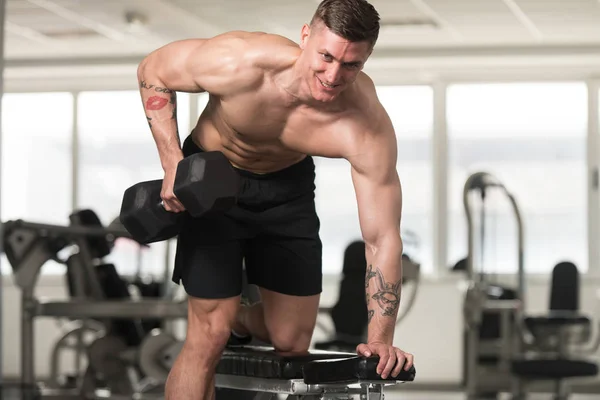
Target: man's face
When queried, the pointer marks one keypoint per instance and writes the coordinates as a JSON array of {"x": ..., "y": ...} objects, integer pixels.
[{"x": 333, "y": 62}]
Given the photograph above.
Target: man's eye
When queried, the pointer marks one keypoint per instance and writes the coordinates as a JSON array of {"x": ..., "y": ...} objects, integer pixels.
[{"x": 326, "y": 57}]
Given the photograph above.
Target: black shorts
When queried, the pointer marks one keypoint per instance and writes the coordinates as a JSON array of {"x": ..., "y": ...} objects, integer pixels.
[{"x": 273, "y": 232}]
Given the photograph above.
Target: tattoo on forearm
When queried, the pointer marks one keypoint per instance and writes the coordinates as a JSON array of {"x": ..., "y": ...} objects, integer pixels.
[
  {"x": 387, "y": 294},
  {"x": 173, "y": 100},
  {"x": 156, "y": 103},
  {"x": 145, "y": 85},
  {"x": 370, "y": 316},
  {"x": 149, "y": 123},
  {"x": 370, "y": 274}
]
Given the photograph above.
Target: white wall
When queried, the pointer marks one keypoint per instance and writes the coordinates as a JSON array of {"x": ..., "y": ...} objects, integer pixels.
[{"x": 432, "y": 331}]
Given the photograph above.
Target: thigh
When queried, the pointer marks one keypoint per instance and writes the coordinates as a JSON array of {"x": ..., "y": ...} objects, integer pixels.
[
  {"x": 286, "y": 265},
  {"x": 208, "y": 269},
  {"x": 290, "y": 320}
]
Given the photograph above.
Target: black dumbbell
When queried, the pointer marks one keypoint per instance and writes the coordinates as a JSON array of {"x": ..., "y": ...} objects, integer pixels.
[{"x": 204, "y": 182}]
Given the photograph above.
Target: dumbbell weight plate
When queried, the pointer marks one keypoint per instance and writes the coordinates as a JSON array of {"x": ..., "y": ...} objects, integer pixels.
[
  {"x": 144, "y": 216},
  {"x": 151, "y": 356},
  {"x": 105, "y": 357},
  {"x": 206, "y": 182}
]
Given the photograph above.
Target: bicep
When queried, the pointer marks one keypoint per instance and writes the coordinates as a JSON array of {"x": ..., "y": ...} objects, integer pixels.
[
  {"x": 379, "y": 204},
  {"x": 216, "y": 65},
  {"x": 377, "y": 186}
]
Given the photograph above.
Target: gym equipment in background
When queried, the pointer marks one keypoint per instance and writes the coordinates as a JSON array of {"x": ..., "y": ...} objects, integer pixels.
[
  {"x": 124, "y": 360},
  {"x": 505, "y": 349},
  {"x": 492, "y": 312}
]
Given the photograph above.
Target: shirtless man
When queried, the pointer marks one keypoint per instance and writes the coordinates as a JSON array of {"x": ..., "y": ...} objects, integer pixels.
[{"x": 273, "y": 105}]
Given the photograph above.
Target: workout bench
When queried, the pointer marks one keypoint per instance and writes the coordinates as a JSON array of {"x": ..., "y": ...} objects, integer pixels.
[{"x": 315, "y": 375}]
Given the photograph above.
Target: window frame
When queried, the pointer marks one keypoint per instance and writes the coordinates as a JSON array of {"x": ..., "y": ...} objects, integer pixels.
[{"x": 439, "y": 83}]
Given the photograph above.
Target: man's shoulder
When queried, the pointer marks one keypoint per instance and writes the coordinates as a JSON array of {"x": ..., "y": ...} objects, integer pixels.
[
  {"x": 265, "y": 50},
  {"x": 363, "y": 100}
]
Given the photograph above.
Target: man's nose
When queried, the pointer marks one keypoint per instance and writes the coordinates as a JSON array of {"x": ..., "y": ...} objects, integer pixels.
[{"x": 333, "y": 74}]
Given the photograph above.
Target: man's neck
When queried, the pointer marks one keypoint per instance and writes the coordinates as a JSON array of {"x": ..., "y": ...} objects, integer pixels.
[{"x": 294, "y": 83}]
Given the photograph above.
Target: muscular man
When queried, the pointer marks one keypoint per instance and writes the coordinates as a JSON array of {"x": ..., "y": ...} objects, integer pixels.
[{"x": 273, "y": 105}]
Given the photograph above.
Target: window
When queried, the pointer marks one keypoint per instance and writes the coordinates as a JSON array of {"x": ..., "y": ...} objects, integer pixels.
[
  {"x": 411, "y": 111},
  {"x": 532, "y": 137},
  {"x": 117, "y": 150},
  {"x": 36, "y": 159}
]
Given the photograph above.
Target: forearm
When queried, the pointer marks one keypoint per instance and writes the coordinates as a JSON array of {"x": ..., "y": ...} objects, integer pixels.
[
  {"x": 160, "y": 105},
  {"x": 383, "y": 283}
]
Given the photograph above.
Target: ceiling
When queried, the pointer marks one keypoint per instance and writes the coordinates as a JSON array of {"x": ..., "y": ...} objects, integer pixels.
[{"x": 39, "y": 31}]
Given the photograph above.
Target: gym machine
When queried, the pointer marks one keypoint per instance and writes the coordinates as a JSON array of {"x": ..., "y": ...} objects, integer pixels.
[
  {"x": 124, "y": 360},
  {"x": 505, "y": 349},
  {"x": 488, "y": 352}
]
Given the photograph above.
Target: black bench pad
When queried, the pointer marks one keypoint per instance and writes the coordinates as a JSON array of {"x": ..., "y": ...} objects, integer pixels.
[
  {"x": 263, "y": 362},
  {"x": 350, "y": 369},
  {"x": 314, "y": 367}
]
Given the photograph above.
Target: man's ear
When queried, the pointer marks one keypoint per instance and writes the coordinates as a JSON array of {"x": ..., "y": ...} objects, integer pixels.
[{"x": 304, "y": 35}]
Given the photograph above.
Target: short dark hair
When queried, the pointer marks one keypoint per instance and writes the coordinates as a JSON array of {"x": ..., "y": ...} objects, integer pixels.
[{"x": 354, "y": 20}]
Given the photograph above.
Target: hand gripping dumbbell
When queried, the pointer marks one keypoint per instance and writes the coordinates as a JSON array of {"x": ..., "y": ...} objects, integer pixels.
[{"x": 204, "y": 182}]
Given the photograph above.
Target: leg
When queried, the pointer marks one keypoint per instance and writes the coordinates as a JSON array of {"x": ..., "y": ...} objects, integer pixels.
[
  {"x": 209, "y": 326},
  {"x": 284, "y": 260},
  {"x": 211, "y": 272},
  {"x": 289, "y": 320},
  {"x": 288, "y": 272}
]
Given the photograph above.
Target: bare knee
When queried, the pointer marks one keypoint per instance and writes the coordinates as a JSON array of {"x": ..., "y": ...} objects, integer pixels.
[
  {"x": 290, "y": 339},
  {"x": 209, "y": 327}
]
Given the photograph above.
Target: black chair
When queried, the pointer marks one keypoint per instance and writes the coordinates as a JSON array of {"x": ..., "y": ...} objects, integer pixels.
[
  {"x": 89, "y": 277},
  {"x": 349, "y": 314},
  {"x": 548, "y": 355}
]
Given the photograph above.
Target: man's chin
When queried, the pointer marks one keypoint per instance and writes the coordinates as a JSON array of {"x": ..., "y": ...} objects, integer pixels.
[{"x": 326, "y": 97}]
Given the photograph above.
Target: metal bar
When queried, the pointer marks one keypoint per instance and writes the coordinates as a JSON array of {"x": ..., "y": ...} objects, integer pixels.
[
  {"x": 500, "y": 305},
  {"x": 112, "y": 309},
  {"x": 593, "y": 196},
  {"x": 27, "y": 338},
  {"x": 2, "y": 62},
  {"x": 75, "y": 153},
  {"x": 67, "y": 230},
  {"x": 521, "y": 288},
  {"x": 440, "y": 179},
  {"x": 291, "y": 386}
]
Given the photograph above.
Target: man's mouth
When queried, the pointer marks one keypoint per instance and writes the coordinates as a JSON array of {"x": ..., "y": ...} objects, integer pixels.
[{"x": 327, "y": 85}]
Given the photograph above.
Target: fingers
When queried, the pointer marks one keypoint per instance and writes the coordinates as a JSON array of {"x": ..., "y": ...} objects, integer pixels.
[
  {"x": 388, "y": 363},
  {"x": 391, "y": 359},
  {"x": 409, "y": 361},
  {"x": 363, "y": 350},
  {"x": 401, "y": 358},
  {"x": 172, "y": 204}
]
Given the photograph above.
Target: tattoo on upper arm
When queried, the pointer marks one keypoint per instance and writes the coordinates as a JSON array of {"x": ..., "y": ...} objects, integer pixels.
[{"x": 387, "y": 295}]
